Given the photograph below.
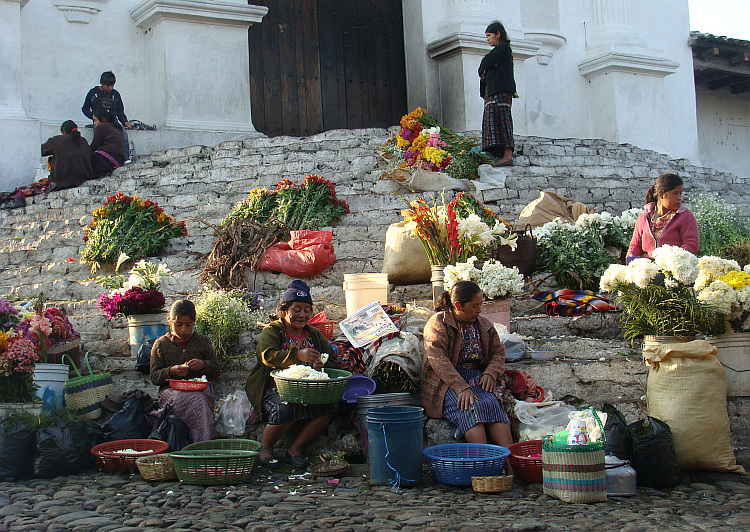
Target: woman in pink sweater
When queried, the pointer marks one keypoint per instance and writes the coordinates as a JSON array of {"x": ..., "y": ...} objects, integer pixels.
[{"x": 665, "y": 222}]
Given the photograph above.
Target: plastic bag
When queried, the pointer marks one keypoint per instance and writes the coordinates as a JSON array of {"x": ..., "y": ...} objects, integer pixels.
[
  {"x": 143, "y": 359},
  {"x": 306, "y": 254},
  {"x": 585, "y": 426},
  {"x": 63, "y": 449},
  {"x": 172, "y": 430},
  {"x": 403, "y": 350},
  {"x": 233, "y": 414},
  {"x": 515, "y": 347},
  {"x": 618, "y": 441},
  {"x": 654, "y": 459},
  {"x": 129, "y": 423},
  {"x": 17, "y": 450},
  {"x": 541, "y": 419}
]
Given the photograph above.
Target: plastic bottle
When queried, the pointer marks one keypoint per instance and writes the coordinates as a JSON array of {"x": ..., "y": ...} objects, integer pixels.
[{"x": 561, "y": 438}]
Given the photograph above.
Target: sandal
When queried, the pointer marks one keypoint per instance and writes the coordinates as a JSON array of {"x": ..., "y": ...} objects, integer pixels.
[
  {"x": 270, "y": 463},
  {"x": 298, "y": 461}
]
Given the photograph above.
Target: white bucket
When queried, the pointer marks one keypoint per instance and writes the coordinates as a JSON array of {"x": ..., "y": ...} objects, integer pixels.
[
  {"x": 362, "y": 289},
  {"x": 734, "y": 355},
  {"x": 50, "y": 379}
]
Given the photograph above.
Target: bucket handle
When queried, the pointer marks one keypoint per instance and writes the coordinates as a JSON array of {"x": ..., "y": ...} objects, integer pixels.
[{"x": 396, "y": 483}]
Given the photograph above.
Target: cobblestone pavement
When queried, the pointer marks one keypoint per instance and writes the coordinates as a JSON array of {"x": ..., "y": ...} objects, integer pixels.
[{"x": 285, "y": 500}]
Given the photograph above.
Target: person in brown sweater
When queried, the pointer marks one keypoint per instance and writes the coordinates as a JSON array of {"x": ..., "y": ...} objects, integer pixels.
[
  {"x": 182, "y": 354},
  {"x": 71, "y": 157},
  {"x": 107, "y": 146},
  {"x": 463, "y": 360}
]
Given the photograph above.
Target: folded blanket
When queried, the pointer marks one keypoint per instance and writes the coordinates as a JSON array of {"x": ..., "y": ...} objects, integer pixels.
[{"x": 569, "y": 302}]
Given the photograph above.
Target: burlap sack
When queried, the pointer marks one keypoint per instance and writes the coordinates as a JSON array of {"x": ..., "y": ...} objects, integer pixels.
[
  {"x": 687, "y": 389},
  {"x": 547, "y": 207},
  {"x": 404, "y": 259}
]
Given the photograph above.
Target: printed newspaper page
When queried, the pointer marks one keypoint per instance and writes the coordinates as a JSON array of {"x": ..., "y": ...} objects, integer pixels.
[{"x": 367, "y": 324}]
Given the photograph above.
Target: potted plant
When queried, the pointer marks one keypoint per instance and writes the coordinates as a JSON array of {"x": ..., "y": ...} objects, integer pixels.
[
  {"x": 137, "y": 297},
  {"x": 660, "y": 300},
  {"x": 498, "y": 284},
  {"x": 723, "y": 285}
]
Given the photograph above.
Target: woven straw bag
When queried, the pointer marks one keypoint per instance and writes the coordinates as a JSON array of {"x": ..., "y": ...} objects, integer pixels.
[
  {"x": 84, "y": 393},
  {"x": 574, "y": 473}
]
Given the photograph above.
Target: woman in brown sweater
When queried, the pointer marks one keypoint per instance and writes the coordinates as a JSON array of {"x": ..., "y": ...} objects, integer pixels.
[
  {"x": 108, "y": 144},
  {"x": 71, "y": 157},
  {"x": 182, "y": 354}
]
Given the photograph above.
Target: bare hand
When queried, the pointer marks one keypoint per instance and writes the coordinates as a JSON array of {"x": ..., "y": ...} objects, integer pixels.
[
  {"x": 128, "y": 125},
  {"x": 466, "y": 399},
  {"x": 196, "y": 364},
  {"x": 309, "y": 355},
  {"x": 487, "y": 383},
  {"x": 180, "y": 370}
]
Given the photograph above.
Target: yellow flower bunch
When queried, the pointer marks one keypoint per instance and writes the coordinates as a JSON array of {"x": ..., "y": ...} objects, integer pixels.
[
  {"x": 735, "y": 279},
  {"x": 4, "y": 338},
  {"x": 434, "y": 155}
]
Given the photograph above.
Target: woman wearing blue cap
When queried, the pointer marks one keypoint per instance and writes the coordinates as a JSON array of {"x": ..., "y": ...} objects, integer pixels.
[{"x": 287, "y": 341}]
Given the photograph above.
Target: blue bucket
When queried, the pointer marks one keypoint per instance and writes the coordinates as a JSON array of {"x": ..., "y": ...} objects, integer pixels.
[{"x": 395, "y": 436}]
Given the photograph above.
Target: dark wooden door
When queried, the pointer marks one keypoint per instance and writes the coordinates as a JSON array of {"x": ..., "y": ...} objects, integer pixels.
[{"x": 317, "y": 65}]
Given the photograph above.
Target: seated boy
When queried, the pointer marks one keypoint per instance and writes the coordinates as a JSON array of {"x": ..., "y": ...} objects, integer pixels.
[{"x": 106, "y": 97}]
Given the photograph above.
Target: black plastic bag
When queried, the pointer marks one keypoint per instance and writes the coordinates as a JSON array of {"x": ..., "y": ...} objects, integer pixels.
[
  {"x": 172, "y": 430},
  {"x": 129, "y": 423},
  {"x": 64, "y": 449},
  {"x": 618, "y": 442},
  {"x": 143, "y": 360},
  {"x": 17, "y": 451},
  {"x": 654, "y": 458}
]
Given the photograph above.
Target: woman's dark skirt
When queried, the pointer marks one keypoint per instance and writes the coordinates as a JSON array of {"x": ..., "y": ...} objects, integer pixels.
[{"x": 497, "y": 124}]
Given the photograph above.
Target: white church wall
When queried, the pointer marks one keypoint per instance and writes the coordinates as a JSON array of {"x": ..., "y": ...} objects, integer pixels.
[{"x": 724, "y": 131}]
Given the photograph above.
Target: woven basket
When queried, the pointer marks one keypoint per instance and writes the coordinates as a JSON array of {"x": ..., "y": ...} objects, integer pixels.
[
  {"x": 326, "y": 469},
  {"x": 495, "y": 484},
  {"x": 207, "y": 467},
  {"x": 312, "y": 392},
  {"x": 230, "y": 444},
  {"x": 326, "y": 328},
  {"x": 574, "y": 473},
  {"x": 526, "y": 467},
  {"x": 156, "y": 467},
  {"x": 111, "y": 460},
  {"x": 84, "y": 393}
]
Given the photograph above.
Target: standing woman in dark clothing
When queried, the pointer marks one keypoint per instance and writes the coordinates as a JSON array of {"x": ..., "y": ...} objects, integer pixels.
[
  {"x": 497, "y": 87},
  {"x": 108, "y": 145},
  {"x": 71, "y": 157}
]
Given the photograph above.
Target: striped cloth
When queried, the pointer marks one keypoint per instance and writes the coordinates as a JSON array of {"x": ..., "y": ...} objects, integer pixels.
[
  {"x": 569, "y": 302},
  {"x": 196, "y": 409},
  {"x": 497, "y": 123},
  {"x": 486, "y": 407}
]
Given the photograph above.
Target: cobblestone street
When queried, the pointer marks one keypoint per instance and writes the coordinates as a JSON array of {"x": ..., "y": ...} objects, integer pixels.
[{"x": 284, "y": 500}]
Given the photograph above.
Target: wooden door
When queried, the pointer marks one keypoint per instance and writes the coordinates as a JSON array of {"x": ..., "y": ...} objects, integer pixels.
[{"x": 317, "y": 65}]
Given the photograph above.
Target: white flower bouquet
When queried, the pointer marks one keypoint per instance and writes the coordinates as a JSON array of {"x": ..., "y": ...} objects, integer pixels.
[
  {"x": 724, "y": 286},
  {"x": 659, "y": 296},
  {"x": 495, "y": 280}
]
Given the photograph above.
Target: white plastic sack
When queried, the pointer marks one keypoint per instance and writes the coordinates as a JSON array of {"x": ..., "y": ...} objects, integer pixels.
[
  {"x": 233, "y": 413},
  {"x": 427, "y": 181},
  {"x": 541, "y": 419},
  {"x": 404, "y": 350}
]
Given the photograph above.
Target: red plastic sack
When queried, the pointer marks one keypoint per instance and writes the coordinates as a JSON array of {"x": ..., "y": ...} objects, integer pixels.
[{"x": 306, "y": 254}]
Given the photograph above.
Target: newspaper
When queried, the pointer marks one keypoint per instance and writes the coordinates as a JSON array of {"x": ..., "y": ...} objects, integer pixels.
[{"x": 367, "y": 324}]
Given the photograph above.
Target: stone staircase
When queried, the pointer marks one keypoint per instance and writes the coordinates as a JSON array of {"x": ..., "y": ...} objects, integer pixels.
[{"x": 40, "y": 244}]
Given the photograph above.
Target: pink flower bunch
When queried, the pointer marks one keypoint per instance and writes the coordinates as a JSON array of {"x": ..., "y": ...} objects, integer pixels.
[
  {"x": 57, "y": 327},
  {"x": 20, "y": 355},
  {"x": 435, "y": 142},
  {"x": 135, "y": 300},
  {"x": 40, "y": 324}
]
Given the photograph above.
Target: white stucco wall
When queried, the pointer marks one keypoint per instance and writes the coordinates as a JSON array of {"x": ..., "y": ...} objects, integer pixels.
[{"x": 724, "y": 131}]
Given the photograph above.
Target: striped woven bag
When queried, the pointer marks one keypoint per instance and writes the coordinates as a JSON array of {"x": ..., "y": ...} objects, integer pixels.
[{"x": 84, "y": 393}]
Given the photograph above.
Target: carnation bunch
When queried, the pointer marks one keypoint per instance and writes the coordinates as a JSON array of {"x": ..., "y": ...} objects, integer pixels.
[
  {"x": 17, "y": 359},
  {"x": 139, "y": 293},
  {"x": 130, "y": 225},
  {"x": 495, "y": 280}
]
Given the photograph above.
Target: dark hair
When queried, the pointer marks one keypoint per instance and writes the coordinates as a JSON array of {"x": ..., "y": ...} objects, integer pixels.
[
  {"x": 104, "y": 115},
  {"x": 107, "y": 78},
  {"x": 71, "y": 128},
  {"x": 462, "y": 292},
  {"x": 181, "y": 307},
  {"x": 663, "y": 183},
  {"x": 496, "y": 26}
]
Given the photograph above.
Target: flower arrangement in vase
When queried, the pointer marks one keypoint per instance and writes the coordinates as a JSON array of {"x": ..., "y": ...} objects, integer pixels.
[
  {"x": 139, "y": 293},
  {"x": 127, "y": 225},
  {"x": 454, "y": 232},
  {"x": 659, "y": 297},
  {"x": 496, "y": 281}
]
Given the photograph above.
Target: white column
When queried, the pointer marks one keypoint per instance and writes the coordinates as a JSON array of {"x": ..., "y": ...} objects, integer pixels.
[
  {"x": 612, "y": 24},
  {"x": 10, "y": 66},
  {"x": 198, "y": 62}
]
